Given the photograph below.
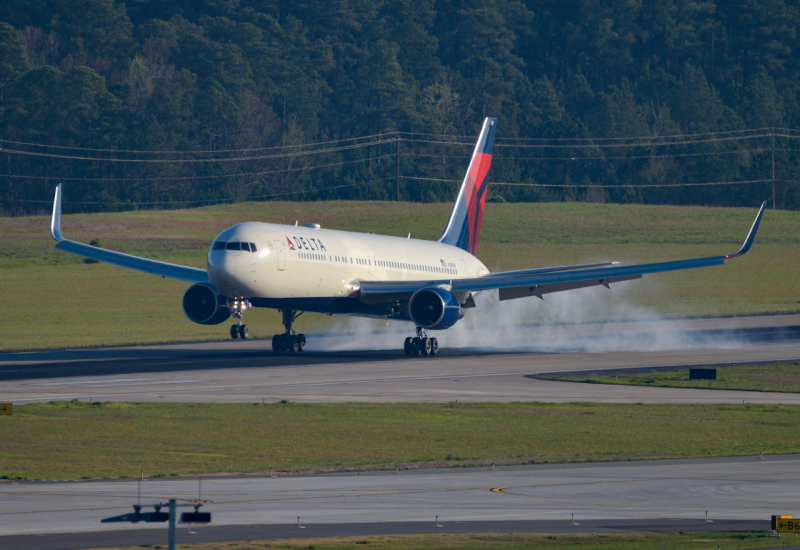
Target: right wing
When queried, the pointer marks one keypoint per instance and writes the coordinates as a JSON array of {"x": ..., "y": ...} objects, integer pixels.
[
  {"x": 537, "y": 282},
  {"x": 173, "y": 271}
]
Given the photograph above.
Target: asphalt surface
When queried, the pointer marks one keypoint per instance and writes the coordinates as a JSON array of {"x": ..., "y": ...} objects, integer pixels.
[
  {"x": 668, "y": 495},
  {"x": 197, "y": 534},
  {"x": 236, "y": 371}
]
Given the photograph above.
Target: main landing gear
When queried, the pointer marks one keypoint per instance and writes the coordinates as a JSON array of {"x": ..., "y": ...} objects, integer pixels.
[
  {"x": 237, "y": 306},
  {"x": 289, "y": 341},
  {"x": 421, "y": 344}
]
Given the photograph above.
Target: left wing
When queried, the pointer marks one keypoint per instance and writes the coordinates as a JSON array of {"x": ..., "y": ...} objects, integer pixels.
[
  {"x": 537, "y": 282},
  {"x": 173, "y": 271}
]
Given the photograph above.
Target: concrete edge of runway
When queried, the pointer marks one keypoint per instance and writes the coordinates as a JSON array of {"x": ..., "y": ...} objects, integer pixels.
[
  {"x": 235, "y": 533},
  {"x": 658, "y": 368}
]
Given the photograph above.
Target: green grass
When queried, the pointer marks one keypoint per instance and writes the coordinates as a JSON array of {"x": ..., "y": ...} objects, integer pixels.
[
  {"x": 111, "y": 440},
  {"x": 52, "y": 299},
  {"x": 634, "y": 541},
  {"x": 780, "y": 378}
]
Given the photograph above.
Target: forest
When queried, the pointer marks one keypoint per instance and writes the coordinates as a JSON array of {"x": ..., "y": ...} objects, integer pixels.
[{"x": 180, "y": 103}]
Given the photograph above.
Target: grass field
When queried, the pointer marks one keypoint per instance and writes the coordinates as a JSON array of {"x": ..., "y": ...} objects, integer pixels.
[
  {"x": 72, "y": 440},
  {"x": 655, "y": 541},
  {"x": 780, "y": 378},
  {"x": 52, "y": 299}
]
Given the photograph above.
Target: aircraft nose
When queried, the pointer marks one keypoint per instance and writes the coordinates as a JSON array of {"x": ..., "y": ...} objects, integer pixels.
[
  {"x": 229, "y": 265},
  {"x": 221, "y": 265}
]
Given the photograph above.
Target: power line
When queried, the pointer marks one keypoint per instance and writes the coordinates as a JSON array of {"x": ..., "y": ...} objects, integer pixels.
[
  {"x": 600, "y": 185},
  {"x": 632, "y": 157},
  {"x": 212, "y": 201},
  {"x": 607, "y": 145},
  {"x": 198, "y": 151},
  {"x": 173, "y": 178},
  {"x": 669, "y": 136},
  {"x": 195, "y": 161}
]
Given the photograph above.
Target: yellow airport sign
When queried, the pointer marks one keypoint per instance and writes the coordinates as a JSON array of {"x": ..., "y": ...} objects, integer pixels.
[
  {"x": 6, "y": 408},
  {"x": 785, "y": 524}
]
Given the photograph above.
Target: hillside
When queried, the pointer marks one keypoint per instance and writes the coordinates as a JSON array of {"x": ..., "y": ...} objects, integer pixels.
[{"x": 171, "y": 104}]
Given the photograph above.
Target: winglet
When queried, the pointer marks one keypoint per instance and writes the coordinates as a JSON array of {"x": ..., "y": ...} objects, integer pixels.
[
  {"x": 55, "y": 223},
  {"x": 748, "y": 242}
]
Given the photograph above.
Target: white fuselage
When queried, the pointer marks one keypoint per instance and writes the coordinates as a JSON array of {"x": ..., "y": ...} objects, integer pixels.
[{"x": 306, "y": 262}]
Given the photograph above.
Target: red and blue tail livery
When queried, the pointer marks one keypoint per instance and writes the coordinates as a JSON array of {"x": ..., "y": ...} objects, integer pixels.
[{"x": 464, "y": 228}]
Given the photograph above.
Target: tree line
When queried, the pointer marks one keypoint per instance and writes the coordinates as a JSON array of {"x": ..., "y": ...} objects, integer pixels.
[{"x": 175, "y": 103}]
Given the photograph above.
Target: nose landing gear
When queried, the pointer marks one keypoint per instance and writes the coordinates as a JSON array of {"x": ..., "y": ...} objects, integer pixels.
[
  {"x": 421, "y": 345},
  {"x": 289, "y": 341},
  {"x": 237, "y": 306}
]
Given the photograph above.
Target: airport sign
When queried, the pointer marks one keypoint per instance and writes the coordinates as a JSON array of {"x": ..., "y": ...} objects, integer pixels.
[
  {"x": 6, "y": 408},
  {"x": 786, "y": 524}
]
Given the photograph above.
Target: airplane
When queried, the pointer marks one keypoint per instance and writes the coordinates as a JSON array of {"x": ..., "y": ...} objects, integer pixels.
[{"x": 313, "y": 269}]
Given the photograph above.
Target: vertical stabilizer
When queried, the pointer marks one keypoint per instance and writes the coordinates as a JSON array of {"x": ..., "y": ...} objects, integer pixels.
[{"x": 464, "y": 227}]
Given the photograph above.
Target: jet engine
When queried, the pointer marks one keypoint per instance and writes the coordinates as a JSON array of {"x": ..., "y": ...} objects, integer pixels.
[
  {"x": 203, "y": 305},
  {"x": 434, "y": 308}
]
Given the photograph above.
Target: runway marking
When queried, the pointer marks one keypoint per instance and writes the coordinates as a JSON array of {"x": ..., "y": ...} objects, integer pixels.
[
  {"x": 90, "y": 382},
  {"x": 118, "y": 383},
  {"x": 278, "y": 386},
  {"x": 499, "y": 490},
  {"x": 717, "y": 393},
  {"x": 503, "y": 491}
]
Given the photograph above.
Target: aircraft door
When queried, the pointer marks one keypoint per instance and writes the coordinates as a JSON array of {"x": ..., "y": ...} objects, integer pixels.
[
  {"x": 280, "y": 250},
  {"x": 463, "y": 268}
]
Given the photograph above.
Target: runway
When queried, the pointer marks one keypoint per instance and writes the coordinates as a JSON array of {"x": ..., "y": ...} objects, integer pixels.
[
  {"x": 236, "y": 371},
  {"x": 622, "y": 497}
]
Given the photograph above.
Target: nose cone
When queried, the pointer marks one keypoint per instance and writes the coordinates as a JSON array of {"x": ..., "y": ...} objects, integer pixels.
[{"x": 221, "y": 268}]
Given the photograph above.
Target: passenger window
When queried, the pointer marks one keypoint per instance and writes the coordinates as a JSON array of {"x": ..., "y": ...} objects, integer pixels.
[
  {"x": 232, "y": 246},
  {"x": 253, "y": 248},
  {"x": 219, "y": 245}
]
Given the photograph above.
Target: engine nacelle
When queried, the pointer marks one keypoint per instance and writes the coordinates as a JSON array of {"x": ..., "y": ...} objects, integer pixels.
[
  {"x": 203, "y": 305},
  {"x": 434, "y": 308}
]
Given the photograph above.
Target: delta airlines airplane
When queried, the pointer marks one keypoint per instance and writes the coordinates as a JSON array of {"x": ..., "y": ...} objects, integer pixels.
[{"x": 428, "y": 283}]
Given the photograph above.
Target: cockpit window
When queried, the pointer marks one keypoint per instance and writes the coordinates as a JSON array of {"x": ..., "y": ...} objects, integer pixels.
[{"x": 222, "y": 245}]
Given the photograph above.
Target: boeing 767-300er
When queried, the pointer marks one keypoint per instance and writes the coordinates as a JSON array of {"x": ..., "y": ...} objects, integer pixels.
[{"x": 429, "y": 283}]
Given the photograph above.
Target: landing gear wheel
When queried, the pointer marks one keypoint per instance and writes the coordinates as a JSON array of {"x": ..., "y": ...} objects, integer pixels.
[
  {"x": 243, "y": 332},
  {"x": 416, "y": 346},
  {"x": 425, "y": 346},
  {"x": 408, "y": 346},
  {"x": 234, "y": 331},
  {"x": 434, "y": 347},
  {"x": 301, "y": 341},
  {"x": 277, "y": 343},
  {"x": 294, "y": 344}
]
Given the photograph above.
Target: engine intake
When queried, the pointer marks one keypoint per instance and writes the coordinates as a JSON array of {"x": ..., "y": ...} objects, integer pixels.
[
  {"x": 434, "y": 308},
  {"x": 203, "y": 305}
]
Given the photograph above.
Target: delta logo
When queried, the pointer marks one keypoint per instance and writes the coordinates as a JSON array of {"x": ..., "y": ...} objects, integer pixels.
[{"x": 301, "y": 243}]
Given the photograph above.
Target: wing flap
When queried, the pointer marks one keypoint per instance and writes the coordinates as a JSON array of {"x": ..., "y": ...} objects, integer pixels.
[{"x": 514, "y": 292}]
